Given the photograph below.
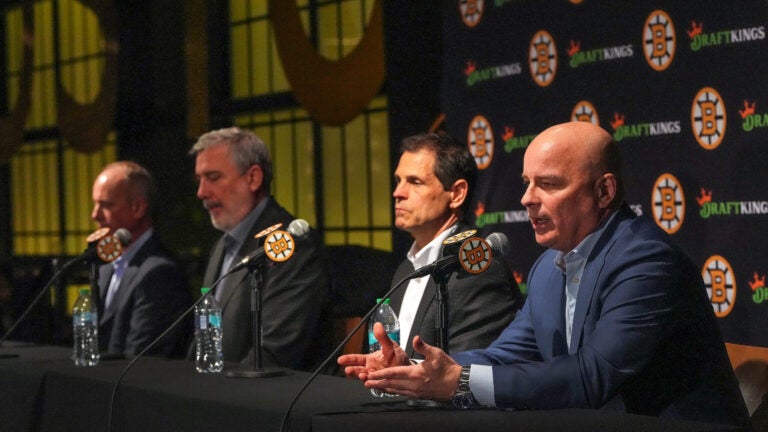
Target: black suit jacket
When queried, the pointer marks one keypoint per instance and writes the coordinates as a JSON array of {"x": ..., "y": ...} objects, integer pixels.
[
  {"x": 294, "y": 295},
  {"x": 153, "y": 293},
  {"x": 479, "y": 307}
]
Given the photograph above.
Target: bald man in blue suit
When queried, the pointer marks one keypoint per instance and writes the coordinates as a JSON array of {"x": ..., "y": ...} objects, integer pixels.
[{"x": 616, "y": 316}]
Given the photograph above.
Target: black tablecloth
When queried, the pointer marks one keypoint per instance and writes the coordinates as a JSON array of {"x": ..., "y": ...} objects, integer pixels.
[{"x": 42, "y": 390}]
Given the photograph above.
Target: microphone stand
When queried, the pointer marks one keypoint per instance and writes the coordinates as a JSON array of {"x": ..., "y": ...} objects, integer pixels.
[
  {"x": 441, "y": 320},
  {"x": 256, "y": 269},
  {"x": 94, "y": 281}
]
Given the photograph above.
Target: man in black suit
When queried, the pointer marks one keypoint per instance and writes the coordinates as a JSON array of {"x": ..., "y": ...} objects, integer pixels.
[
  {"x": 433, "y": 189},
  {"x": 234, "y": 171},
  {"x": 144, "y": 290}
]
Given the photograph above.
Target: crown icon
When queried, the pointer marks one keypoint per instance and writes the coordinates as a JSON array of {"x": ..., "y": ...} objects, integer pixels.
[
  {"x": 574, "y": 48},
  {"x": 748, "y": 109},
  {"x": 480, "y": 209},
  {"x": 471, "y": 67},
  {"x": 508, "y": 133},
  {"x": 518, "y": 277},
  {"x": 706, "y": 196},
  {"x": 757, "y": 282},
  {"x": 618, "y": 121},
  {"x": 695, "y": 30}
]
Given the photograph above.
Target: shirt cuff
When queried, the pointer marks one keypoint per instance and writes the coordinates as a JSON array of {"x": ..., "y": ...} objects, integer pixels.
[{"x": 481, "y": 384}]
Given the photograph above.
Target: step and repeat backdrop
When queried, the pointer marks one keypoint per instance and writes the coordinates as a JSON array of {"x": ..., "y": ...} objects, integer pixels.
[{"x": 681, "y": 85}]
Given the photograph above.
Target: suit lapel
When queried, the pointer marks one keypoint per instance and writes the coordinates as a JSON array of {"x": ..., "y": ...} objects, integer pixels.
[
  {"x": 105, "y": 275},
  {"x": 590, "y": 276},
  {"x": 429, "y": 297}
]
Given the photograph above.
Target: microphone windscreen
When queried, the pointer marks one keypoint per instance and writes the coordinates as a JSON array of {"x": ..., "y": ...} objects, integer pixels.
[
  {"x": 299, "y": 228},
  {"x": 499, "y": 243},
  {"x": 124, "y": 236}
]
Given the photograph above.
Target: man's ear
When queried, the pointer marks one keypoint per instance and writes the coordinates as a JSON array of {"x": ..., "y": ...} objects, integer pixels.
[
  {"x": 255, "y": 177},
  {"x": 139, "y": 207},
  {"x": 605, "y": 190},
  {"x": 459, "y": 192}
]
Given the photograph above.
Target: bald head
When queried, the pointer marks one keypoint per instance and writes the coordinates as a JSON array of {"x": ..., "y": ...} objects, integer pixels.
[
  {"x": 121, "y": 197},
  {"x": 572, "y": 172}
]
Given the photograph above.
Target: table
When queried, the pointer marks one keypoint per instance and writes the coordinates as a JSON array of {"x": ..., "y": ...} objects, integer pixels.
[{"x": 42, "y": 390}]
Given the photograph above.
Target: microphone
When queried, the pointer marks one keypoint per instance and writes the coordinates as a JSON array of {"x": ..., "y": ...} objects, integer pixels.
[
  {"x": 473, "y": 255},
  {"x": 277, "y": 246},
  {"x": 100, "y": 245}
]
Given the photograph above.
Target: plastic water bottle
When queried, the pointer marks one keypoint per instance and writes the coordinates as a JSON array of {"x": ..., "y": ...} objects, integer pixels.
[
  {"x": 85, "y": 330},
  {"x": 387, "y": 317},
  {"x": 208, "y": 334}
]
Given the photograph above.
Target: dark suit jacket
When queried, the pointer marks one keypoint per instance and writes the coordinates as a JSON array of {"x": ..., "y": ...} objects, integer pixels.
[
  {"x": 294, "y": 294},
  {"x": 479, "y": 307},
  {"x": 152, "y": 294},
  {"x": 645, "y": 338}
]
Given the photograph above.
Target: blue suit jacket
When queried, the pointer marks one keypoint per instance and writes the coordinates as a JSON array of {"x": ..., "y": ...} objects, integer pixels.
[{"x": 645, "y": 338}]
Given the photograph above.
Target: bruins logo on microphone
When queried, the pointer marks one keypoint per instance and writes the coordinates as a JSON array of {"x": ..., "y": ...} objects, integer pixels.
[
  {"x": 475, "y": 255},
  {"x": 97, "y": 235},
  {"x": 109, "y": 248},
  {"x": 460, "y": 236},
  {"x": 266, "y": 231},
  {"x": 279, "y": 246}
]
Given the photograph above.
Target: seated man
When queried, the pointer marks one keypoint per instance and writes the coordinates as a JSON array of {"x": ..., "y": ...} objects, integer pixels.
[
  {"x": 144, "y": 290},
  {"x": 434, "y": 181},
  {"x": 616, "y": 315}
]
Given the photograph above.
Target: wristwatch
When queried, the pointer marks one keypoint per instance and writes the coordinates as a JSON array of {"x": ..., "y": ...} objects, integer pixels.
[{"x": 463, "y": 398}]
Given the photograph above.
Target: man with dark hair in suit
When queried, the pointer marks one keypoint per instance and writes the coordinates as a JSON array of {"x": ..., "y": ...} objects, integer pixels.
[
  {"x": 616, "y": 315},
  {"x": 144, "y": 290},
  {"x": 434, "y": 180},
  {"x": 234, "y": 171}
]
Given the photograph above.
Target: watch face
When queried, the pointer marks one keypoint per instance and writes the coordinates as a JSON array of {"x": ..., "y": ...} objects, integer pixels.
[{"x": 463, "y": 400}]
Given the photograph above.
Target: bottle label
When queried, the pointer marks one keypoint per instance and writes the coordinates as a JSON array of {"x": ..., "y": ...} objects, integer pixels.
[
  {"x": 203, "y": 322},
  {"x": 395, "y": 336},
  {"x": 214, "y": 320},
  {"x": 86, "y": 316}
]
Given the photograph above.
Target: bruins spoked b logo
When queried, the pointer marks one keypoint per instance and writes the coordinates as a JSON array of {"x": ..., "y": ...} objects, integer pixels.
[
  {"x": 279, "y": 245},
  {"x": 668, "y": 203},
  {"x": 659, "y": 40},
  {"x": 480, "y": 141},
  {"x": 708, "y": 119},
  {"x": 584, "y": 111},
  {"x": 721, "y": 284},
  {"x": 542, "y": 58}
]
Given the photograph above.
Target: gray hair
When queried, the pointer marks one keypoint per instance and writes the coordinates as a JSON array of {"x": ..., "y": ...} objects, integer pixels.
[{"x": 245, "y": 149}]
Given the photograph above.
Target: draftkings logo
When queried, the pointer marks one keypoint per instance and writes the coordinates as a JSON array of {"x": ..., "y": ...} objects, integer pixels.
[
  {"x": 709, "y": 208},
  {"x": 668, "y": 203},
  {"x": 752, "y": 120},
  {"x": 640, "y": 130},
  {"x": 476, "y": 75},
  {"x": 720, "y": 282},
  {"x": 542, "y": 58},
  {"x": 520, "y": 279},
  {"x": 471, "y": 11},
  {"x": 596, "y": 55},
  {"x": 586, "y": 112},
  {"x": 659, "y": 40},
  {"x": 759, "y": 290},
  {"x": 512, "y": 142},
  {"x": 480, "y": 141},
  {"x": 510, "y": 216},
  {"x": 701, "y": 39},
  {"x": 708, "y": 118}
]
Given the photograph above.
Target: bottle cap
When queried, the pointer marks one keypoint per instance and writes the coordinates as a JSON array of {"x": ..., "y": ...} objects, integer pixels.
[
  {"x": 204, "y": 290},
  {"x": 386, "y": 300},
  {"x": 85, "y": 291}
]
